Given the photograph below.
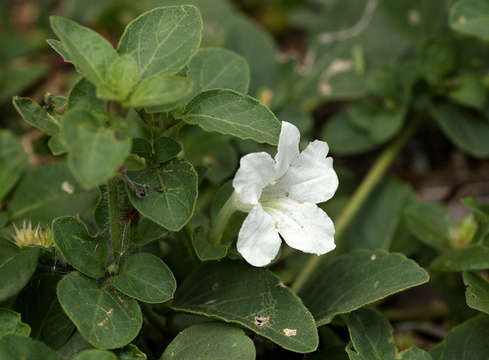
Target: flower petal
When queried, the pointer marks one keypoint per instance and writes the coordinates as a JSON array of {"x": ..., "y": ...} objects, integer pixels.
[
  {"x": 311, "y": 177},
  {"x": 288, "y": 148},
  {"x": 303, "y": 226},
  {"x": 256, "y": 170},
  {"x": 258, "y": 240}
]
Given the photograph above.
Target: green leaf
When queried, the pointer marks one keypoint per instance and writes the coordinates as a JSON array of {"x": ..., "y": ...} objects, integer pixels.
[
  {"x": 171, "y": 193},
  {"x": 13, "y": 160},
  {"x": 470, "y": 91},
  {"x": 176, "y": 33},
  {"x": 88, "y": 254},
  {"x": 252, "y": 297},
  {"x": 148, "y": 231},
  {"x": 159, "y": 90},
  {"x": 371, "y": 336},
  {"x": 468, "y": 130},
  {"x": 40, "y": 308},
  {"x": 415, "y": 353},
  {"x": 210, "y": 341},
  {"x": 95, "y": 153},
  {"x": 83, "y": 95},
  {"x": 429, "y": 223},
  {"x": 57, "y": 145},
  {"x": 16, "y": 268},
  {"x": 145, "y": 277},
  {"x": 89, "y": 52},
  {"x": 106, "y": 318},
  {"x": 17, "y": 78},
  {"x": 477, "y": 292},
  {"x": 471, "y": 17},
  {"x": 131, "y": 352},
  {"x": 165, "y": 149},
  {"x": 58, "y": 46},
  {"x": 11, "y": 324},
  {"x": 214, "y": 151},
  {"x": 95, "y": 355},
  {"x": 436, "y": 60},
  {"x": 35, "y": 116},
  {"x": 122, "y": 75},
  {"x": 472, "y": 257},
  {"x": 257, "y": 46},
  {"x": 231, "y": 113},
  {"x": 345, "y": 138},
  {"x": 49, "y": 192},
  {"x": 481, "y": 212},
  {"x": 216, "y": 68},
  {"x": 347, "y": 282},
  {"x": 467, "y": 341},
  {"x": 24, "y": 348},
  {"x": 378, "y": 218},
  {"x": 75, "y": 345}
]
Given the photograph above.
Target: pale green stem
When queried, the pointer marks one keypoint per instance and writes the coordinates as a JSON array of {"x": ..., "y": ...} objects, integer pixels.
[
  {"x": 114, "y": 217},
  {"x": 358, "y": 198},
  {"x": 219, "y": 225}
]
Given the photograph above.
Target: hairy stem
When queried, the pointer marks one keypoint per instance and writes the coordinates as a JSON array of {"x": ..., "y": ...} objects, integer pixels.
[
  {"x": 114, "y": 216},
  {"x": 374, "y": 175}
]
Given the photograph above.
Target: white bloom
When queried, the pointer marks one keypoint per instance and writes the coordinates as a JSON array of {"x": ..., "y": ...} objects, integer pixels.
[{"x": 281, "y": 195}]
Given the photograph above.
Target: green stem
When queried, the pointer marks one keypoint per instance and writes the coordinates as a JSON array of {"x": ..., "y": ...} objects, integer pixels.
[
  {"x": 219, "y": 225},
  {"x": 358, "y": 198},
  {"x": 114, "y": 217}
]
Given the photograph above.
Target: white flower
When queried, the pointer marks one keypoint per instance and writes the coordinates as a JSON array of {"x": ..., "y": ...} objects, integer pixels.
[{"x": 281, "y": 195}]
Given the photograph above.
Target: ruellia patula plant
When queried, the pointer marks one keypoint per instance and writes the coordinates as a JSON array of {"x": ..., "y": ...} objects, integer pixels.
[{"x": 176, "y": 216}]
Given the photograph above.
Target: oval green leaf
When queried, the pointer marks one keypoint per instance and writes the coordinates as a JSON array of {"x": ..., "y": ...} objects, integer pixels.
[
  {"x": 175, "y": 37},
  {"x": 88, "y": 254},
  {"x": 216, "y": 68},
  {"x": 16, "y": 268},
  {"x": 471, "y": 17},
  {"x": 472, "y": 257},
  {"x": 231, "y": 113},
  {"x": 11, "y": 324},
  {"x": 159, "y": 90},
  {"x": 95, "y": 355},
  {"x": 252, "y": 297},
  {"x": 89, "y": 52},
  {"x": 171, "y": 193},
  {"x": 210, "y": 341},
  {"x": 348, "y": 282},
  {"x": 24, "y": 348},
  {"x": 106, "y": 318},
  {"x": 145, "y": 277},
  {"x": 48, "y": 192}
]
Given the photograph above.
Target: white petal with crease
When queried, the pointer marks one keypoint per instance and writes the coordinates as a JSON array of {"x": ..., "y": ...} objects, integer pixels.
[
  {"x": 258, "y": 240},
  {"x": 303, "y": 226},
  {"x": 288, "y": 148},
  {"x": 255, "y": 171},
  {"x": 311, "y": 177}
]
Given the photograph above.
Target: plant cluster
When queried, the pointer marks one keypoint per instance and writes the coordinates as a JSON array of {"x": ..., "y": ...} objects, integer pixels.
[{"x": 142, "y": 215}]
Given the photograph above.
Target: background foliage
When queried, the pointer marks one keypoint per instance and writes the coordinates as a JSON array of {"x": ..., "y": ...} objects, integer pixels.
[{"x": 117, "y": 170}]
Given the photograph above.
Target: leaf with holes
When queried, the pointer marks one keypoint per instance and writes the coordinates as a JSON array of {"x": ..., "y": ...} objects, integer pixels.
[
  {"x": 170, "y": 193},
  {"x": 347, "y": 282},
  {"x": 252, "y": 297},
  {"x": 105, "y": 317}
]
